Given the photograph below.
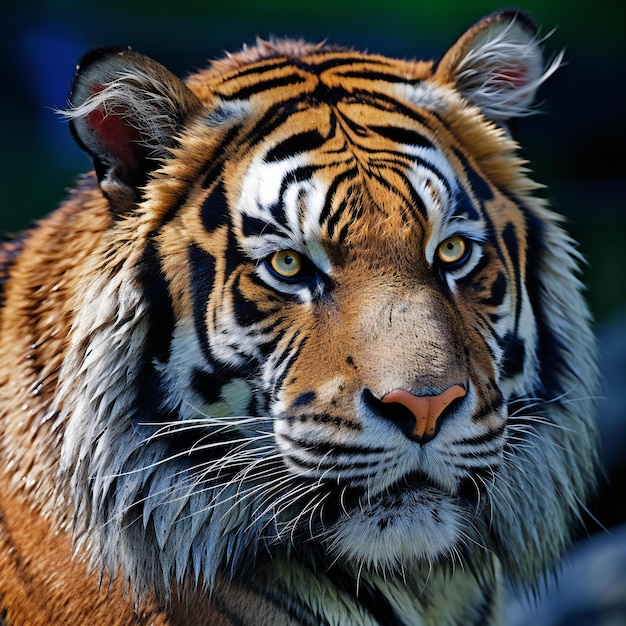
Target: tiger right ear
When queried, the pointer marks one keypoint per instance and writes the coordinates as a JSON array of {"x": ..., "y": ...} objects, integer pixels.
[
  {"x": 497, "y": 65},
  {"x": 126, "y": 111}
]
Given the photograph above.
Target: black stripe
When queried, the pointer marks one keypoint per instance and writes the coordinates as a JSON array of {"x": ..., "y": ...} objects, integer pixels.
[
  {"x": 213, "y": 169},
  {"x": 398, "y": 162},
  {"x": 325, "y": 463},
  {"x": 334, "y": 219},
  {"x": 266, "y": 65},
  {"x": 275, "y": 116},
  {"x": 150, "y": 397},
  {"x": 214, "y": 210},
  {"x": 254, "y": 226},
  {"x": 304, "y": 398},
  {"x": 481, "y": 439},
  {"x": 297, "y": 175},
  {"x": 333, "y": 420},
  {"x": 202, "y": 266},
  {"x": 355, "y": 128},
  {"x": 486, "y": 323},
  {"x": 264, "y": 85},
  {"x": 215, "y": 164},
  {"x": 482, "y": 192},
  {"x": 514, "y": 355},
  {"x": 268, "y": 346},
  {"x": 270, "y": 333},
  {"x": 413, "y": 201},
  {"x": 160, "y": 308},
  {"x": 387, "y": 103},
  {"x": 488, "y": 409},
  {"x": 494, "y": 318},
  {"x": 551, "y": 352},
  {"x": 387, "y": 77},
  {"x": 246, "y": 311},
  {"x": 337, "y": 61},
  {"x": 343, "y": 233},
  {"x": 274, "y": 294},
  {"x": 332, "y": 190},
  {"x": 498, "y": 289},
  {"x": 403, "y": 136},
  {"x": 232, "y": 255},
  {"x": 480, "y": 187},
  {"x": 511, "y": 241},
  {"x": 464, "y": 205},
  {"x": 209, "y": 384},
  {"x": 292, "y": 359},
  {"x": 296, "y": 144}
]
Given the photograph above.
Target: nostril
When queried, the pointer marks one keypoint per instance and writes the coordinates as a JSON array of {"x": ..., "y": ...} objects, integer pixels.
[
  {"x": 394, "y": 412},
  {"x": 418, "y": 417}
]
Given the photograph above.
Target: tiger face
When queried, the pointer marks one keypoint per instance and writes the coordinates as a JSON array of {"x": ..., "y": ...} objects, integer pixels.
[
  {"x": 325, "y": 323},
  {"x": 348, "y": 288}
]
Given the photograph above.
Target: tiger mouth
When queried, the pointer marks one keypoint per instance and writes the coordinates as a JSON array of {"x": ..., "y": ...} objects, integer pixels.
[{"x": 341, "y": 500}]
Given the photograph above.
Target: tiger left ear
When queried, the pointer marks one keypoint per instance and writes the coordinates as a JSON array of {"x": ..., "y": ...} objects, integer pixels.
[
  {"x": 497, "y": 65},
  {"x": 126, "y": 111}
]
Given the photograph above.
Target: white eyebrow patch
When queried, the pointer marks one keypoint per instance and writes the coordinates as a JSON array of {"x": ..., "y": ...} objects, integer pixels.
[
  {"x": 228, "y": 112},
  {"x": 435, "y": 182},
  {"x": 286, "y": 199},
  {"x": 423, "y": 95}
]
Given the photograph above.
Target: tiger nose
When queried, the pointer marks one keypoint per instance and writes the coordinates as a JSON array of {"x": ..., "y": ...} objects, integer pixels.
[{"x": 425, "y": 411}]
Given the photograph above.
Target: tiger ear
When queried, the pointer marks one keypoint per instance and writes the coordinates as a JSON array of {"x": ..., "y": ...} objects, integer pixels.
[
  {"x": 125, "y": 111},
  {"x": 497, "y": 65}
]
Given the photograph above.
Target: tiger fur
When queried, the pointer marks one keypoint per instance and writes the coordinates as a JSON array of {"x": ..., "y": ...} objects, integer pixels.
[{"x": 214, "y": 353}]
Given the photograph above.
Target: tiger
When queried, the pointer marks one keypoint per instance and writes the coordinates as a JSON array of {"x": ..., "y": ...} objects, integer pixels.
[{"x": 307, "y": 346}]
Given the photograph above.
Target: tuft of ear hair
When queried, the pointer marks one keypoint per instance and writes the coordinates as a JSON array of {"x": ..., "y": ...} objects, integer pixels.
[
  {"x": 126, "y": 111},
  {"x": 498, "y": 65}
]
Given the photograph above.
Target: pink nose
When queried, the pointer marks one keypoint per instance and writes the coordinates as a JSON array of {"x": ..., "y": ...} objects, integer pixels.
[{"x": 425, "y": 409}]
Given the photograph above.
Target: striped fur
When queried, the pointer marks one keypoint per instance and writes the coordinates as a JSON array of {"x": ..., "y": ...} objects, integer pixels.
[{"x": 193, "y": 436}]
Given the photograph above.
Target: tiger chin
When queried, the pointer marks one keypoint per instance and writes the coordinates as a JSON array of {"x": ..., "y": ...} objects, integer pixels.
[{"x": 306, "y": 347}]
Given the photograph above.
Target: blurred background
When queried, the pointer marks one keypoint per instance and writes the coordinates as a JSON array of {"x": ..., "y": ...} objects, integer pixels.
[{"x": 576, "y": 145}]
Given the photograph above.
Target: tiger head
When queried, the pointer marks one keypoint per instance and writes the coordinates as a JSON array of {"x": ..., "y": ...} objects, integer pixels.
[{"x": 328, "y": 320}]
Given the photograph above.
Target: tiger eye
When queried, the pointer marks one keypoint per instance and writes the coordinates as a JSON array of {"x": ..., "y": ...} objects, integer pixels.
[
  {"x": 286, "y": 263},
  {"x": 452, "y": 250}
]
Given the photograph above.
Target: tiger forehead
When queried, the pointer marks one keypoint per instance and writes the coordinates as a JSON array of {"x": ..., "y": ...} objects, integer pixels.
[
  {"x": 285, "y": 67},
  {"x": 332, "y": 145},
  {"x": 371, "y": 96},
  {"x": 325, "y": 170},
  {"x": 290, "y": 203}
]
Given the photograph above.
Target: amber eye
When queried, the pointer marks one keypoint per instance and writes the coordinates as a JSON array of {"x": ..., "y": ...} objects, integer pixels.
[
  {"x": 453, "y": 250},
  {"x": 286, "y": 263}
]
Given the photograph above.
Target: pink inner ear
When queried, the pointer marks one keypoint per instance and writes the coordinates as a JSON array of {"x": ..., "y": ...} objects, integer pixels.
[
  {"x": 515, "y": 76},
  {"x": 117, "y": 137}
]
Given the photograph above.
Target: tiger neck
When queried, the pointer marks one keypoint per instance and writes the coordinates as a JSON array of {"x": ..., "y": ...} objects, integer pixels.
[{"x": 419, "y": 598}]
